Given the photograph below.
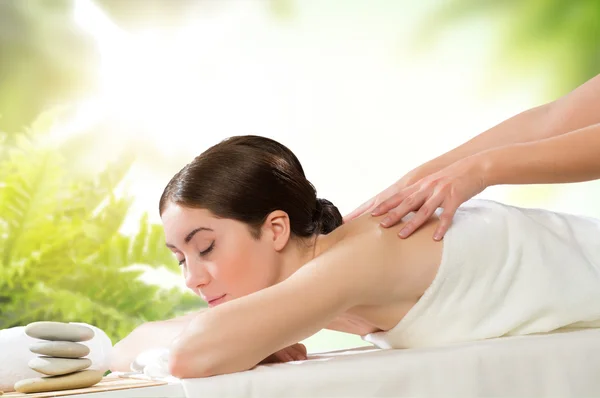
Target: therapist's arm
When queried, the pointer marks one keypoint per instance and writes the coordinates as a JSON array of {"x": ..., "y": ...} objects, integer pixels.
[
  {"x": 574, "y": 111},
  {"x": 571, "y": 157},
  {"x": 578, "y": 109}
]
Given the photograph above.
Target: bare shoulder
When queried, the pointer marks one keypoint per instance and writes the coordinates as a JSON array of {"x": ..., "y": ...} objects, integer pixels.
[{"x": 374, "y": 265}]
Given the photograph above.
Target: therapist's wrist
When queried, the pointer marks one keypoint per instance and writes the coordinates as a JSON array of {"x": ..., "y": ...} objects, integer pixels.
[
  {"x": 424, "y": 170},
  {"x": 493, "y": 164},
  {"x": 485, "y": 164}
]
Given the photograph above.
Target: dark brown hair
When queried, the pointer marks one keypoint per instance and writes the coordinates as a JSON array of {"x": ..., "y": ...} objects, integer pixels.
[{"x": 245, "y": 178}]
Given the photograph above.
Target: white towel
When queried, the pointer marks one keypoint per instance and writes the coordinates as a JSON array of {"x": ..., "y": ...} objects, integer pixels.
[
  {"x": 506, "y": 271},
  {"x": 153, "y": 363}
]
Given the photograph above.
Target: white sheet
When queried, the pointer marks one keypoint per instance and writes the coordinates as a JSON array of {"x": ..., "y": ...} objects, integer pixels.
[
  {"x": 559, "y": 364},
  {"x": 530, "y": 271}
]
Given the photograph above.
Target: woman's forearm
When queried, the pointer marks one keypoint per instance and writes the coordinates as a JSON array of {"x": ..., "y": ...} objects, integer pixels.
[
  {"x": 575, "y": 110},
  {"x": 158, "y": 334},
  {"x": 571, "y": 157},
  {"x": 519, "y": 128}
]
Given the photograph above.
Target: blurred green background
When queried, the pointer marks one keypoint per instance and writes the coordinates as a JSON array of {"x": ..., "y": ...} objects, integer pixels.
[{"x": 101, "y": 101}]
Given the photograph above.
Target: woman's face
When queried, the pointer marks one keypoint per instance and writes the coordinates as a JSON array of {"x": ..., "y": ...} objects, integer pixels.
[{"x": 220, "y": 259}]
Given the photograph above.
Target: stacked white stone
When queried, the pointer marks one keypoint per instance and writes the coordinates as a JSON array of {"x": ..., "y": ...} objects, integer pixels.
[{"x": 61, "y": 358}]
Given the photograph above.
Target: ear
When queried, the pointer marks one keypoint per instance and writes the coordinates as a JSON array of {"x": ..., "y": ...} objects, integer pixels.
[{"x": 277, "y": 229}]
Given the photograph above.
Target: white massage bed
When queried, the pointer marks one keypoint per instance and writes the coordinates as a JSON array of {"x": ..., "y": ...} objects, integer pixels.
[{"x": 560, "y": 364}]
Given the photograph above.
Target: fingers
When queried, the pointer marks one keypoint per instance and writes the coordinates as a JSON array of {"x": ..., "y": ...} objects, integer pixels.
[
  {"x": 408, "y": 204},
  {"x": 300, "y": 348},
  {"x": 425, "y": 211},
  {"x": 369, "y": 204},
  {"x": 296, "y": 352},
  {"x": 391, "y": 202},
  {"x": 360, "y": 210},
  {"x": 284, "y": 355},
  {"x": 273, "y": 358},
  {"x": 445, "y": 222}
]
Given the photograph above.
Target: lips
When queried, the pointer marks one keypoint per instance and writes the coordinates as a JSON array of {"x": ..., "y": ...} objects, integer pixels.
[{"x": 212, "y": 301}]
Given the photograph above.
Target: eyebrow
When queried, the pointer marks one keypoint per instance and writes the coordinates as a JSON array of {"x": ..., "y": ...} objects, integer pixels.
[{"x": 189, "y": 236}]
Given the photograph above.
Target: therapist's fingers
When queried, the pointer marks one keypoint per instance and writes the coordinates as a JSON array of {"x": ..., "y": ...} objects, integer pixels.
[
  {"x": 410, "y": 203},
  {"x": 360, "y": 210},
  {"x": 376, "y": 200},
  {"x": 425, "y": 211},
  {"x": 445, "y": 220},
  {"x": 393, "y": 201}
]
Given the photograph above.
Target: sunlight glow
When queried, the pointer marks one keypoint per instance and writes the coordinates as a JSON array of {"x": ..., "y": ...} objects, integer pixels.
[
  {"x": 140, "y": 75},
  {"x": 155, "y": 83},
  {"x": 344, "y": 99}
]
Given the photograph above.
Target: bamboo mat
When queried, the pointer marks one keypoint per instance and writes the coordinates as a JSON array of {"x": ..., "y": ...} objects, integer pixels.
[{"x": 106, "y": 384}]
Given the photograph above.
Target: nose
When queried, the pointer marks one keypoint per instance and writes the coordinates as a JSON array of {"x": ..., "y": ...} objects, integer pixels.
[{"x": 196, "y": 276}]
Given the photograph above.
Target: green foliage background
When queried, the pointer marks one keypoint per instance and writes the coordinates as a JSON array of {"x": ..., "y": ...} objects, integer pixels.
[
  {"x": 554, "y": 38},
  {"x": 62, "y": 257}
]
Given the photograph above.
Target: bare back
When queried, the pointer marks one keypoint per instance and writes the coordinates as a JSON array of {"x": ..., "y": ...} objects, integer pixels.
[{"x": 401, "y": 270}]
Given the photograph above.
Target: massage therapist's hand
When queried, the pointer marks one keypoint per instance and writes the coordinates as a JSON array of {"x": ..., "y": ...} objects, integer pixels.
[
  {"x": 296, "y": 352},
  {"x": 447, "y": 188},
  {"x": 378, "y": 199}
]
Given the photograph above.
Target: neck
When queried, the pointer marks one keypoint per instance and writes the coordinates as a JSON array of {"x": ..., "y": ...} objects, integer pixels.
[{"x": 298, "y": 253}]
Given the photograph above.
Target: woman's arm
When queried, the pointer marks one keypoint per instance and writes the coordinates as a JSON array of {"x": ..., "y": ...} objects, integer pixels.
[
  {"x": 571, "y": 157},
  {"x": 575, "y": 110},
  {"x": 149, "y": 335},
  {"x": 237, "y": 335}
]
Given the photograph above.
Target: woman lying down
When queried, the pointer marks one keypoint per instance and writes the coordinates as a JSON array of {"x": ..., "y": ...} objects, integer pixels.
[{"x": 276, "y": 265}]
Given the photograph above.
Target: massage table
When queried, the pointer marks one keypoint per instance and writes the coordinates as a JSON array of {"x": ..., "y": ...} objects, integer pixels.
[{"x": 560, "y": 364}]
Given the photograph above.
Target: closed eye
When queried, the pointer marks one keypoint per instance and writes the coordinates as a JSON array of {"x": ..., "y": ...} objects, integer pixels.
[{"x": 205, "y": 252}]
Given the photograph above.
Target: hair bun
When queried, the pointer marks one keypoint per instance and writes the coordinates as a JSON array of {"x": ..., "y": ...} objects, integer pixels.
[{"x": 326, "y": 216}]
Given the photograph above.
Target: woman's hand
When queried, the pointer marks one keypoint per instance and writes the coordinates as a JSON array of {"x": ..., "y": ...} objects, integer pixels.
[
  {"x": 447, "y": 188},
  {"x": 380, "y": 198},
  {"x": 296, "y": 352}
]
